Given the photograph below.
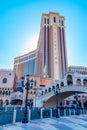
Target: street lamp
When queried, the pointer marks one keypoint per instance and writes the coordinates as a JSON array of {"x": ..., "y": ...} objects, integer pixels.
[
  {"x": 35, "y": 93},
  {"x": 27, "y": 87},
  {"x": 57, "y": 91}
]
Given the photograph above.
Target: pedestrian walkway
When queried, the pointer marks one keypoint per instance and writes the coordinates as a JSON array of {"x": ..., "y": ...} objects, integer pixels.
[{"x": 63, "y": 123}]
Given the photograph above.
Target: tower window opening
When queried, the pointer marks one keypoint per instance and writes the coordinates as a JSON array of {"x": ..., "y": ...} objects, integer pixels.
[
  {"x": 44, "y": 20},
  {"x": 54, "y": 19},
  {"x": 47, "y": 21},
  {"x": 62, "y": 23}
]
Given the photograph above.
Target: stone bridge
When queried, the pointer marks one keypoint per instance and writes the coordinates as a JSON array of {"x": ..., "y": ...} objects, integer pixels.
[{"x": 71, "y": 84}]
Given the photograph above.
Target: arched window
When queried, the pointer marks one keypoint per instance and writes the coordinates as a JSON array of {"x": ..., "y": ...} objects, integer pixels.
[
  {"x": 0, "y": 92},
  {"x": 4, "y": 80},
  {"x": 85, "y": 82},
  {"x": 3, "y": 93},
  {"x": 69, "y": 80},
  {"x": 6, "y": 92},
  {"x": 9, "y": 93}
]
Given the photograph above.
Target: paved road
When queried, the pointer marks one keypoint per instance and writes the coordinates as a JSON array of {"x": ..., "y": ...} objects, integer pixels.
[{"x": 63, "y": 123}]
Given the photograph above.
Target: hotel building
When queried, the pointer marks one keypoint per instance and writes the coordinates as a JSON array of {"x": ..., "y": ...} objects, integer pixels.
[
  {"x": 78, "y": 69},
  {"x": 49, "y": 60}
]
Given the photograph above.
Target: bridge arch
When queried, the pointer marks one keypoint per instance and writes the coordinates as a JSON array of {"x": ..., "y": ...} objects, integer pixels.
[
  {"x": 64, "y": 93},
  {"x": 72, "y": 82}
]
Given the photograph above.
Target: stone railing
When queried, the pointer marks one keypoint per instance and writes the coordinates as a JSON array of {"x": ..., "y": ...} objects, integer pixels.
[{"x": 16, "y": 114}]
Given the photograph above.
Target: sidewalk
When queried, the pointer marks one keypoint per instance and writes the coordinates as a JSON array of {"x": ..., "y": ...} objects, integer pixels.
[{"x": 63, "y": 123}]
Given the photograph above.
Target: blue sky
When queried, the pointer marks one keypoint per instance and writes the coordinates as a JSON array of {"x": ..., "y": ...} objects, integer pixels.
[{"x": 20, "y": 25}]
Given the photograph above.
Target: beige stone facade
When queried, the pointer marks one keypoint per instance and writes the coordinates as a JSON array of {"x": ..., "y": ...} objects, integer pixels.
[{"x": 7, "y": 84}]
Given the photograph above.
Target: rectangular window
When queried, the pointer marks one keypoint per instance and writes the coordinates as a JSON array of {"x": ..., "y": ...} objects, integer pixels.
[
  {"x": 23, "y": 59},
  {"x": 32, "y": 56}
]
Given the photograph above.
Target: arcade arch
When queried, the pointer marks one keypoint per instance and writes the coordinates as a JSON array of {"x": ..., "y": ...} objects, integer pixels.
[
  {"x": 78, "y": 82},
  {"x": 1, "y": 102},
  {"x": 69, "y": 80},
  {"x": 85, "y": 82},
  {"x": 6, "y": 102}
]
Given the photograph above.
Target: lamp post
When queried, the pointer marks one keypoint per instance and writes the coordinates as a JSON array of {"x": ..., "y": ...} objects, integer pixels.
[
  {"x": 35, "y": 93},
  {"x": 27, "y": 87},
  {"x": 57, "y": 91}
]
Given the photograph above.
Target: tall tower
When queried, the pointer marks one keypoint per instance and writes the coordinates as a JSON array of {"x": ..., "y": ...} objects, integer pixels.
[
  {"x": 52, "y": 54},
  {"x": 49, "y": 60}
]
